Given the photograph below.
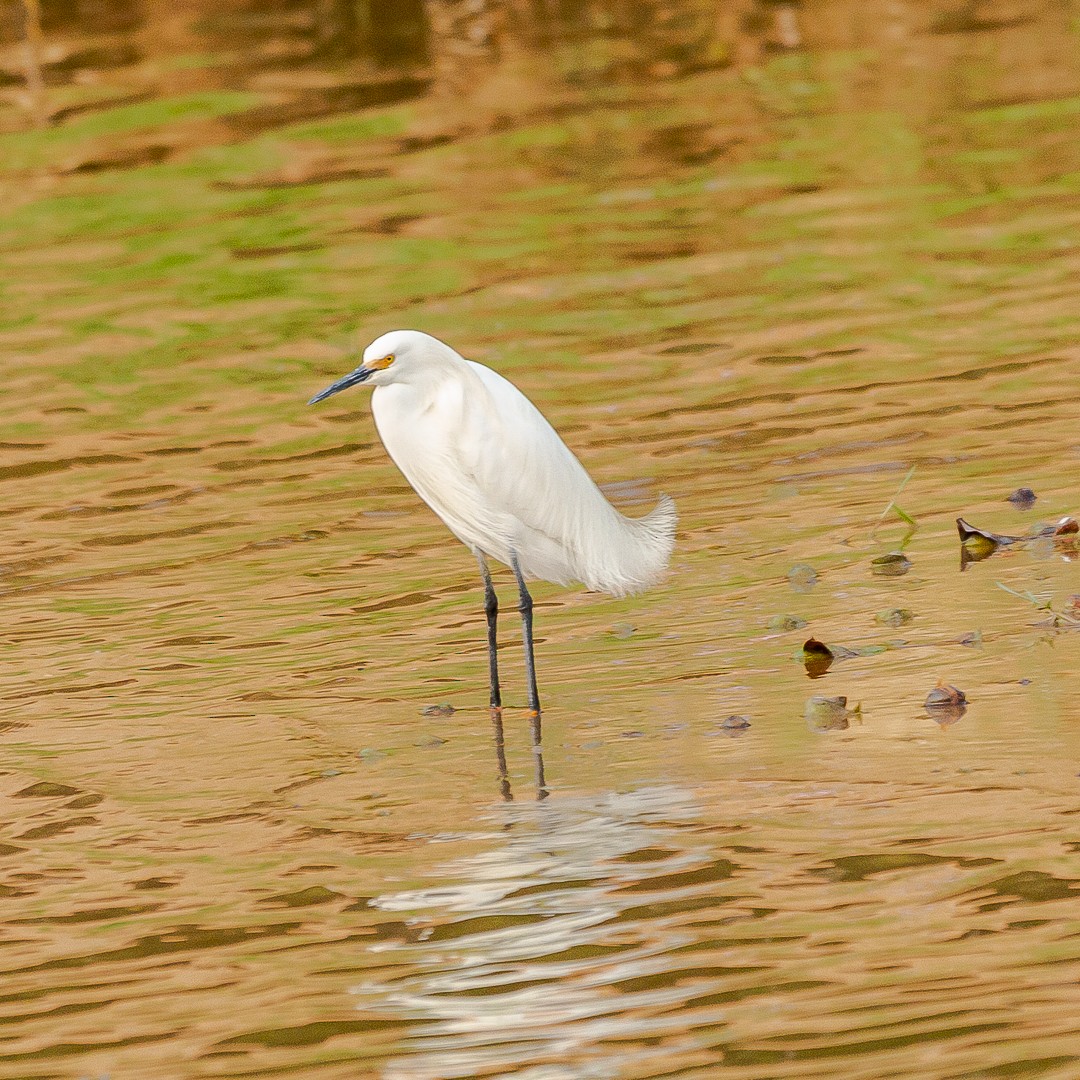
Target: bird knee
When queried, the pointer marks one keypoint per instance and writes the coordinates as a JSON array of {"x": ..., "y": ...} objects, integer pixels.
[
  {"x": 491, "y": 605},
  {"x": 526, "y": 604}
]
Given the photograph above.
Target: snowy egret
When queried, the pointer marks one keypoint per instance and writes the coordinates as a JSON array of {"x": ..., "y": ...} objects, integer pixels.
[{"x": 483, "y": 457}]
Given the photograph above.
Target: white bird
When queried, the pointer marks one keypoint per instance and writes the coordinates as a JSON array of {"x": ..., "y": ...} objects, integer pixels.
[{"x": 483, "y": 457}]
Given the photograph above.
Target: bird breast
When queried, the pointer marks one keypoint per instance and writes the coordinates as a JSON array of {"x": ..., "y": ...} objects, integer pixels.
[{"x": 427, "y": 432}]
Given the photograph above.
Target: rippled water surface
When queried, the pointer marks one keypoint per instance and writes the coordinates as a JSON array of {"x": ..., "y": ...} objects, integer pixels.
[{"x": 238, "y": 840}]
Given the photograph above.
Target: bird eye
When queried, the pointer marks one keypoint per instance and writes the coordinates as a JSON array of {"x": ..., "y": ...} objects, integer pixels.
[{"x": 383, "y": 362}]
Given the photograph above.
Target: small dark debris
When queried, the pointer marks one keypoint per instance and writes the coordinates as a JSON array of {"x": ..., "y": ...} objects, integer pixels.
[
  {"x": 943, "y": 694},
  {"x": 731, "y": 727},
  {"x": 894, "y": 564},
  {"x": 430, "y": 742},
  {"x": 1023, "y": 498},
  {"x": 817, "y": 657},
  {"x": 631, "y": 734},
  {"x": 896, "y": 616},
  {"x": 802, "y": 578},
  {"x": 438, "y": 710},
  {"x": 828, "y": 713},
  {"x": 969, "y": 534},
  {"x": 978, "y": 544},
  {"x": 735, "y": 722}
]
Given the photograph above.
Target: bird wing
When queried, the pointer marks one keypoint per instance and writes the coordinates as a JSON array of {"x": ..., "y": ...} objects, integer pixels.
[
  {"x": 522, "y": 468},
  {"x": 482, "y": 456}
]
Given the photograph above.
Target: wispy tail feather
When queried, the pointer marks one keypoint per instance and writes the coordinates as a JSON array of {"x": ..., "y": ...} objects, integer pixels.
[{"x": 638, "y": 558}]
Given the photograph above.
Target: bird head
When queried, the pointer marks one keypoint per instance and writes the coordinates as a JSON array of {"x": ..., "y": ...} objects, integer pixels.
[{"x": 388, "y": 359}]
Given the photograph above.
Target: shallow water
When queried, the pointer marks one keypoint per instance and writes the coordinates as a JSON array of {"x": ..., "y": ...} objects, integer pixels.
[{"x": 234, "y": 844}]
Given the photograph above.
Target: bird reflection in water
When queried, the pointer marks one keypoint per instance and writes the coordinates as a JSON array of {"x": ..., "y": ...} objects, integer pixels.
[{"x": 500, "y": 756}]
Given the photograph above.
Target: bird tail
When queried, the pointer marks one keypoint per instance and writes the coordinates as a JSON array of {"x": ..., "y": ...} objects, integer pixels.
[{"x": 643, "y": 551}]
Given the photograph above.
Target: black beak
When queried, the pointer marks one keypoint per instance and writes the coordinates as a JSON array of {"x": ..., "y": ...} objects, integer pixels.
[{"x": 354, "y": 378}]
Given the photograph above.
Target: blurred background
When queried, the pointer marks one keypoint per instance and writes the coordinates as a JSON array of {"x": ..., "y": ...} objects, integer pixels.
[{"x": 808, "y": 267}]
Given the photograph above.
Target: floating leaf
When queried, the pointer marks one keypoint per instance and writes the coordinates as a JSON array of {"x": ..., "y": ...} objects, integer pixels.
[
  {"x": 438, "y": 710},
  {"x": 894, "y": 564},
  {"x": 863, "y": 650},
  {"x": 802, "y": 577},
  {"x": 978, "y": 544},
  {"x": 1023, "y": 498},
  {"x": 970, "y": 535},
  {"x": 430, "y": 742},
  {"x": 975, "y": 549},
  {"x": 817, "y": 657},
  {"x": 784, "y": 623},
  {"x": 897, "y": 616},
  {"x": 829, "y": 713}
]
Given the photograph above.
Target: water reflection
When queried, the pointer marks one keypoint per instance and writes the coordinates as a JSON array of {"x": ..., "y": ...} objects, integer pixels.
[
  {"x": 776, "y": 287},
  {"x": 505, "y": 790},
  {"x": 524, "y": 962},
  {"x": 644, "y": 932}
]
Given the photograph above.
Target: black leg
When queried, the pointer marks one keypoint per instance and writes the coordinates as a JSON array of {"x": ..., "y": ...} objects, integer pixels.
[
  {"x": 491, "y": 609},
  {"x": 525, "y": 608}
]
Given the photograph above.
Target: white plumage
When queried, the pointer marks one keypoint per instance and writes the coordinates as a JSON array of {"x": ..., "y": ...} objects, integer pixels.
[{"x": 484, "y": 458}]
